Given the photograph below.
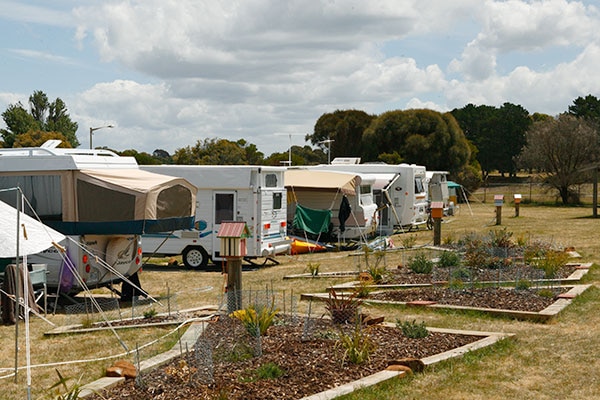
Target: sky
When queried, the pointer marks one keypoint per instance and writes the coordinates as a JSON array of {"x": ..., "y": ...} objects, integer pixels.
[{"x": 167, "y": 73}]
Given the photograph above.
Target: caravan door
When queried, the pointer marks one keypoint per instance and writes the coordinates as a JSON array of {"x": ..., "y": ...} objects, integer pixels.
[{"x": 224, "y": 209}]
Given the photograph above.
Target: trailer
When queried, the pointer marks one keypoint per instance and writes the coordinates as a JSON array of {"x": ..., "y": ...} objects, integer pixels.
[
  {"x": 253, "y": 194},
  {"x": 346, "y": 197},
  {"x": 399, "y": 191},
  {"x": 102, "y": 202}
]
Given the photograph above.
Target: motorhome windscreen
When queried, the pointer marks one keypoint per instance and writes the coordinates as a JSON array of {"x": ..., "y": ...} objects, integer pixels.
[{"x": 42, "y": 191}]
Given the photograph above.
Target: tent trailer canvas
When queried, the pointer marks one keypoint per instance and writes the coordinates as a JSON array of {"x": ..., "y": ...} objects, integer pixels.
[
  {"x": 102, "y": 202},
  {"x": 332, "y": 192},
  {"x": 252, "y": 194}
]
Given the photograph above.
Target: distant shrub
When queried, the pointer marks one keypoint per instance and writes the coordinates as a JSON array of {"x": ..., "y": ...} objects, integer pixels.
[
  {"x": 449, "y": 259},
  {"x": 420, "y": 264},
  {"x": 412, "y": 329}
]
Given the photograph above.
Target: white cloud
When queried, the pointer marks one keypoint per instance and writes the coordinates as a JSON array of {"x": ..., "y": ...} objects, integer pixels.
[{"x": 181, "y": 71}]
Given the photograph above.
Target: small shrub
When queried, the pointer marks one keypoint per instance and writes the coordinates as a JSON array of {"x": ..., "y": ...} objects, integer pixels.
[
  {"x": 357, "y": 345},
  {"x": 150, "y": 313},
  {"x": 448, "y": 240},
  {"x": 377, "y": 272},
  {"x": 463, "y": 274},
  {"x": 449, "y": 259},
  {"x": 456, "y": 284},
  {"x": 548, "y": 293},
  {"x": 501, "y": 238},
  {"x": 408, "y": 241},
  {"x": 552, "y": 262},
  {"x": 522, "y": 284},
  {"x": 420, "y": 264},
  {"x": 313, "y": 268},
  {"x": 256, "y": 319},
  {"x": 413, "y": 330},
  {"x": 269, "y": 370},
  {"x": 342, "y": 308},
  {"x": 363, "y": 289}
]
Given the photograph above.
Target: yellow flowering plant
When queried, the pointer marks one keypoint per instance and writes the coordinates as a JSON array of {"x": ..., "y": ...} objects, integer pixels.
[{"x": 256, "y": 319}]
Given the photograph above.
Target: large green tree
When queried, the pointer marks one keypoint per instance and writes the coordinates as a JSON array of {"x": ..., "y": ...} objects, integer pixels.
[
  {"x": 498, "y": 134},
  {"x": 561, "y": 149},
  {"x": 212, "y": 152},
  {"x": 424, "y": 137},
  {"x": 587, "y": 107},
  {"x": 340, "y": 131},
  {"x": 42, "y": 115}
]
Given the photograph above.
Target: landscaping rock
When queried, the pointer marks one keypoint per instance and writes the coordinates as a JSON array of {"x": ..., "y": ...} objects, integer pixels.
[
  {"x": 415, "y": 364},
  {"x": 123, "y": 369}
]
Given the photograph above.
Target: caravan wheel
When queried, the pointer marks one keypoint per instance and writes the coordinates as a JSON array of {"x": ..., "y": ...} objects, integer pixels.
[{"x": 195, "y": 257}]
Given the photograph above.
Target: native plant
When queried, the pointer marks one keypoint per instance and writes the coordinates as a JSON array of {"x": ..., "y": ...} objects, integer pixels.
[
  {"x": 420, "y": 264},
  {"x": 552, "y": 262},
  {"x": 449, "y": 259},
  {"x": 412, "y": 329},
  {"x": 256, "y": 318},
  {"x": 357, "y": 344},
  {"x": 342, "y": 308},
  {"x": 313, "y": 268},
  {"x": 71, "y": 392}
]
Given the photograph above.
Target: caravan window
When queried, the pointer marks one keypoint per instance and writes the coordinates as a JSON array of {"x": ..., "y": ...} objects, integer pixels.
[
  {"x": 271, "y": 180},
  {"x": 277, "y": 201},
  {"x": 365, "y": 189},
  {"x": 223, "y": 207},
  {"x": 419, "y": 188}
]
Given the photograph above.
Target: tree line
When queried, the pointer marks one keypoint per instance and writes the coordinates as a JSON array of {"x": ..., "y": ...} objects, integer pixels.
[{"x": 468, "y": 142}]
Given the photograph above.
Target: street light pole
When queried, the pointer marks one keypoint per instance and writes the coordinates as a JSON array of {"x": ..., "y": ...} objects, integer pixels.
[
  {"x": 95, "y": 129},
  {"x": 328, "y": 142}
]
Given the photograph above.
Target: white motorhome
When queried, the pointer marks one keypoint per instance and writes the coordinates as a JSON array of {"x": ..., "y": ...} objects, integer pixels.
[
  {"x": 101, "y": 201},
  {"x": 399, "y": 191},
  {"x": 253, "y": 194},
  {"x": 326, "y": 190}
]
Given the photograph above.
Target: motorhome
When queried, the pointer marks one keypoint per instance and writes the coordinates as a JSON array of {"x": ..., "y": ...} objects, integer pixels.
[
  {"x": 334, "y": 192},
  {"x": 399, "y": 191},
  {"x": 101, "y": 201},
  {"x": 253, "y": 194}
]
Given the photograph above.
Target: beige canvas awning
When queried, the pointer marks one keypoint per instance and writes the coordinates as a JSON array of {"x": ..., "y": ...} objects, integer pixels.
[{"x": 322, "y": 180}]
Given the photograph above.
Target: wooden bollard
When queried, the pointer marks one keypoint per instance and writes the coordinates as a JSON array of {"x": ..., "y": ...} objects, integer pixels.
[
  {"x": 498, "y": 201},
  {"x": 517, "y": 198},
  {"x": 437, "y": 212}
]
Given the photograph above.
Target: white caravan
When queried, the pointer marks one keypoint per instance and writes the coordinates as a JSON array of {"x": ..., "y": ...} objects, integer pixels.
[
  {"x": 253, "y": 194},
  {"x": 437, "y": 185},
  {"x": 101, "y": 201},
  {"x": 326, "y": 190},
  {"x": 399, "y": 191}
]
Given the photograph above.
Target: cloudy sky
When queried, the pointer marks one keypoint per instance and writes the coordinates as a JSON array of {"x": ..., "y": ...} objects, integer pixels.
[{"x": 168, "y": 73}]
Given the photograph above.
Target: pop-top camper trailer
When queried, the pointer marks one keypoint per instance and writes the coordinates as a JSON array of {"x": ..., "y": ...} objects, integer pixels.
[
  {"x": 101, "y": 201},
  {"x": 399, "y": 191},
  {"x": 253, "y": 194},
  {"x": 334, "y": 193}
]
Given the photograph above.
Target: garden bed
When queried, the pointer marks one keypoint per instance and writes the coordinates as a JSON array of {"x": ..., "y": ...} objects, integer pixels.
[{"x": 307, "y": 365}]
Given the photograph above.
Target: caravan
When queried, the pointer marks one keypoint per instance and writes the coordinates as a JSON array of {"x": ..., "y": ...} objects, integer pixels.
[
  {"x": 399, "y": 191},
  {"x": 253, "y": 194},
  {"x": 101, "y": 201}
]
